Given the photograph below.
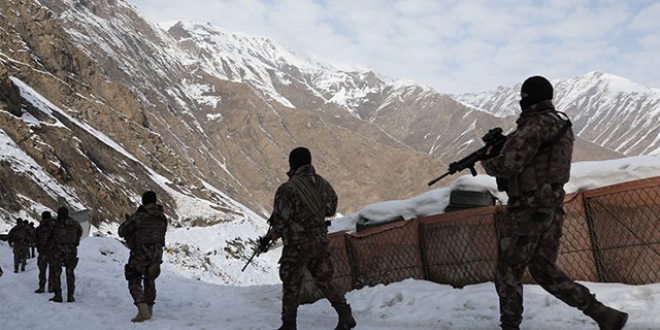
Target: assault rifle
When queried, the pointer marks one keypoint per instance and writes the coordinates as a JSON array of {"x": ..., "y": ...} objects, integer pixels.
[
  {"x": 262, "y": 247},
  {"x": 493, "y": 138}
]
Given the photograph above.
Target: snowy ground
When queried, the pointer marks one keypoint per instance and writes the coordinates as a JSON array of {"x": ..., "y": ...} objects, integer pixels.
[
  {"x": 202, "y": 287},
  {"x": 103, "y": 302}
]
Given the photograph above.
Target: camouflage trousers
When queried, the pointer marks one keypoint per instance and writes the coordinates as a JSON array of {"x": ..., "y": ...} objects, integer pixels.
[
  {"x": 42, "y": 264},
  {"x": 314, "y": 256},
  {"x": 67, "y": 257},
  {"x": 21, "y": 252},
  {"x": 141, "y": 272},
  {"x": 529, "y": 238}
]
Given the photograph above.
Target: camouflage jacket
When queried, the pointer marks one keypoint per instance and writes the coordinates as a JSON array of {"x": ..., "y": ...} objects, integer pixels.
[
  {"x": 536, "y": 158},
  {"x": 43, "y": 232},
  {"x": 301, "y": 206},
  {"x": 18, "y": 235},
  {"x": 65, "y": 232},
  {"x": 147, "y": 226}
]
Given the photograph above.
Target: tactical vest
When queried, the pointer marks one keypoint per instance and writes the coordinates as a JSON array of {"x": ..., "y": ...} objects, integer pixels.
[
  {"x": 150, "y": 230},
  {"x": 43, "y": 231},
  {"x": 65, "y": 232},
  {"x": 552, "y": 163}
]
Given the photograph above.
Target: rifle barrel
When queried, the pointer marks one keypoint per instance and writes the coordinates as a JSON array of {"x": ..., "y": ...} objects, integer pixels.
[{"x": 438, "y": 178}]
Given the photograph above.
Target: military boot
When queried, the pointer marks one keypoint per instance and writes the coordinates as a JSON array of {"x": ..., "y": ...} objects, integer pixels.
[
  {"x": 150, "y": 307},
  {"x": 346, "y": 320},
  {"x": 69, "y": 295},
  {"x": 57, "y": 298},
  {"x": 143, "y": 313},
  {"x": 41, "y": 289},
  {"x": 606, "y": 317}
]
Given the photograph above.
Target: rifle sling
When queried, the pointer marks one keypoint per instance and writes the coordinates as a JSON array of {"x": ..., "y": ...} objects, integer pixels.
[{"x": 310, "y": 194}]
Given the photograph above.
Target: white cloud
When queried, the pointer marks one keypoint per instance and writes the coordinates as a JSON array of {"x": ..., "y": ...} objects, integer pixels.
[{"x": 453, "y": 46}]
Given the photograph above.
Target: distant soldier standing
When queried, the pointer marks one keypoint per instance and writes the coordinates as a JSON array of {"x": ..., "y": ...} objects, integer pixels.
[
  {"x": 42, "y": 234},
  {"x": 19, "y": 241},
  {"x": 300, "y": 208},
  {"x": 144, "y": 232},
  {"x": 31, "y": 240},
  {"x": 64, "y": 241}
]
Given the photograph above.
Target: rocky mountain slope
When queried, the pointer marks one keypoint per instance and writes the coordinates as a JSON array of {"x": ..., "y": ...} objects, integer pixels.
[{"x": 107, "y": 105}]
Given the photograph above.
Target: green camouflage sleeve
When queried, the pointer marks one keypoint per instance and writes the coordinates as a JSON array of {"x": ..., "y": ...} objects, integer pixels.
[{"x": 519, "y": 149}]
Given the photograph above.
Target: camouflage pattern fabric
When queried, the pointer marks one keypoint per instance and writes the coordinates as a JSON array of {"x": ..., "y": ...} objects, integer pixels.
[
  {"x": 42, "y": 234},
  {"x": 535, "y": 173},
  {"x": 289, "y": 210},
  {"x": 305, "y": 237},
  {"x": 537, "y": 250},
  {"x": 315, "y": 256},
  {"x": 145, "y": 233},
  {"x": 536, "y": 167},
  {"x": 64, "y": 240}
]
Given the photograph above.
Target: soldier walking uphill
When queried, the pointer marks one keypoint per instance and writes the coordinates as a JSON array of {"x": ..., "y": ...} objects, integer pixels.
[
  {"x": 18, "y": 238},
  {"x": 42, "y": 234},
  {"x": 535, "y": 162},
  {"x": 144, "y": 232},
  {"x": 64, "y": 240},
  {"x": 300, "y": 207}
]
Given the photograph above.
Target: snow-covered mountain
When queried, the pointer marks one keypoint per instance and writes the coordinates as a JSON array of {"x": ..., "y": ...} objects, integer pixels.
[
  {"x": 109, "y": 105},
  {"x": 607, "y": 110}
]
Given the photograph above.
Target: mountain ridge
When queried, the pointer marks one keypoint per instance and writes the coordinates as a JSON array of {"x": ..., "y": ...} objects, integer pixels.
[{"x": 216, "y": 121}]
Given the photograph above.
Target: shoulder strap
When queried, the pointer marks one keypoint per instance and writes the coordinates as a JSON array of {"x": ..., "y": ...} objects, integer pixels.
[{"x": 567, "y": 124}]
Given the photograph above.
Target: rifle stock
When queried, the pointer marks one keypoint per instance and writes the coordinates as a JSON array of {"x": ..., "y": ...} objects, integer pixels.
[{"x": 493, "y": 138}]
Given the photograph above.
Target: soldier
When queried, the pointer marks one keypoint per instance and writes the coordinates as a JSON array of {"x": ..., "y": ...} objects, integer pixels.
[
  {"x": 31, "y": 240},
  {"x": 64, "y": 240},
  {"x": 144, "y": 232},
  {"x": 300, "y": 207},
  {"x": 18, "y": 240},
  {"x": 42, "y": 234},
  {"x": 535, "y": 163}
]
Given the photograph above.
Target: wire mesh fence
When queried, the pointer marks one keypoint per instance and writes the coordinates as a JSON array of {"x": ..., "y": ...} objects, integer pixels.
[{"x": 610, "y": 234}]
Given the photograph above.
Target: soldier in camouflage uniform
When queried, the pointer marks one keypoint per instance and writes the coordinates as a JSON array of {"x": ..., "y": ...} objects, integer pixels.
[
  {"x": 144, "y": 232},
  {"x": 42, "y": 234},
  {"x": 18, "y": 238},
  {"x": 31, "y": 240},
  {"x": 535, "y": 163},
  {"x": 64, "y": 240},
  {"x": 300, "y": 207}
]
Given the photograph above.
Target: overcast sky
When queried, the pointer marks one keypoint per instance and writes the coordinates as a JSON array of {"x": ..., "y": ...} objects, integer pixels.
[{"x": 453, "y": 46}]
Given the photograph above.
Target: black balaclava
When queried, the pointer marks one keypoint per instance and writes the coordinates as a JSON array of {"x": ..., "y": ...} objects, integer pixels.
[
  {"x": 298, "y": 157},
  {"x": 45, "y": 215},
  {"x": 149, "y": 197},
  {"x": 537, "y": 89}
]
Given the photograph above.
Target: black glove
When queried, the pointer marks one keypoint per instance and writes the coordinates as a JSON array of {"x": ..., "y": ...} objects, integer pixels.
[{"x": 264, "y": 243}]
